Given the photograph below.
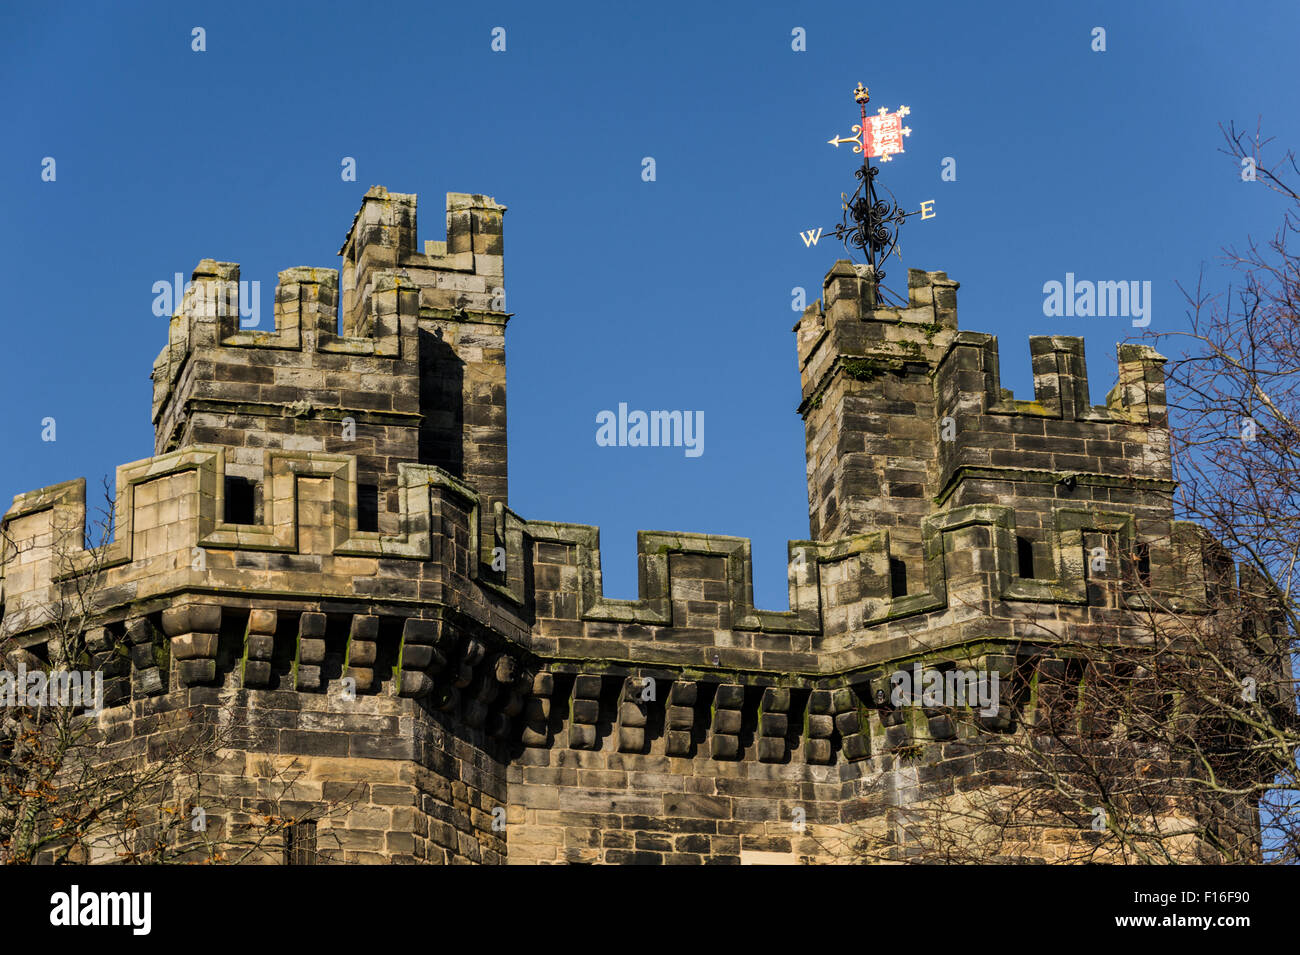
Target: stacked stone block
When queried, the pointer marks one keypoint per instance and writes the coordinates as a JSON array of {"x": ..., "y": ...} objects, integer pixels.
[
  {"x": 851, "y": 724},
  {"x": 773, "y": 724},
  {"x": 631, "y": 728},
  {"x": 819, "y": 727},
  {"x": 679, "y": 721},
  {"x": 311, "y": 652},
  {"x": 143, "y": 641},
  {"x": 102, "y": 649},
  {"x": 584, "y": 711},
  {"x": 421, "y": 660},
  {"x": 193, "y": 630},
  {"x": 363, "y": 647},
  {"x": 726, "y": 721},
  {"x": 259, "y": 644},
  {"x": 537, "y": 711}
]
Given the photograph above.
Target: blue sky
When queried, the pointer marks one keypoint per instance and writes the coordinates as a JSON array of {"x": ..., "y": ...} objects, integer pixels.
[{"x": 672, "y": 294}]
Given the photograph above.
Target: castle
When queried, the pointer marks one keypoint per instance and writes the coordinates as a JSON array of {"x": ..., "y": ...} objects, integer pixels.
[{"x": 321, "y": 558}]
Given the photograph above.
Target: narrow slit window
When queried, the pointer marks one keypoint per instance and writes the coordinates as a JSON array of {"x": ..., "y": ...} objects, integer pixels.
[
  {"x": 241, "y": 505},
  {"x": 1142, "y": 564},
  {"x": 897, "y": 577},
  {"x": 367, "y": 507},
  {"x": 1025, "y": 557}
]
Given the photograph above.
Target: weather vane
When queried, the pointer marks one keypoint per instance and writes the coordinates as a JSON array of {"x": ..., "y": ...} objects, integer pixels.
[{"x": 870, "y": 223}]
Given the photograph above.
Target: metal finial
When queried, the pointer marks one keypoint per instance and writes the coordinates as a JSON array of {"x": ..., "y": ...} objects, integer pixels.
[{"x": 870, "y": 222}]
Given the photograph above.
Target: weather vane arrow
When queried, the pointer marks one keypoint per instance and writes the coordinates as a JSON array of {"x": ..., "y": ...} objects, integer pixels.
[
  {"x": 871, "y": 223},
  {"x": 879, "y": 135}
]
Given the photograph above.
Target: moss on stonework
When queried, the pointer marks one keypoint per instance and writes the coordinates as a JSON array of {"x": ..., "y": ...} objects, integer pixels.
[
  {"x": 162, "y": 655},
  {"x": 1034, "y": 407},
  {"x": 864, "y": 369}
]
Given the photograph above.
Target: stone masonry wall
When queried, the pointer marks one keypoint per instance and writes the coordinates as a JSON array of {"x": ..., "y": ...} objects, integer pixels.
[
  {"x": 383, "y": 780},
  {"x": 454, "y": 673}
]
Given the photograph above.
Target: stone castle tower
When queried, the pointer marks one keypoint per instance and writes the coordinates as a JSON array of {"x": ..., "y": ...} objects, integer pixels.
[{"x": 321, "y": 557}]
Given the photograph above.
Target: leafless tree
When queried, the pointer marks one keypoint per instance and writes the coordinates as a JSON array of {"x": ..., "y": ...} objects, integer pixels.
[
  {"x": 1178, "y": 742},
  {"x": 71, "y": 790}
]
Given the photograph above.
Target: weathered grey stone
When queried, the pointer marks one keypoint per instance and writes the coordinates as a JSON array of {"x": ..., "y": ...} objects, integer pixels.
[{"x": 369, "y": 421}]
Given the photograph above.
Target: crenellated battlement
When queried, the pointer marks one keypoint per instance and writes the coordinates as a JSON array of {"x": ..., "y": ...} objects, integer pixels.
[
  {"x": 539, "y": 656},
  {"x": 849, "y": 323},
  {"x": 170, "y": 536},
  {"x": 695, "y": 607},
  {"x": 397, "y": 358},
  {"x": 321, "y": 556},
  {"x": 1059, "y": 433}
]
